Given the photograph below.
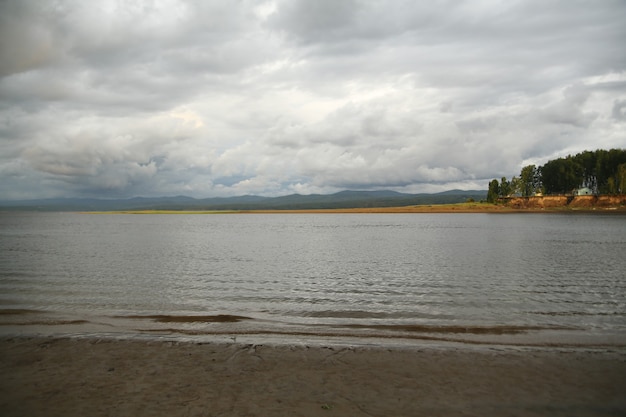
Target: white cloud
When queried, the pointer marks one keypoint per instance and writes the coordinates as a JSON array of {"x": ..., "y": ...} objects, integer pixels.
[{"x": 273, "y": 97}]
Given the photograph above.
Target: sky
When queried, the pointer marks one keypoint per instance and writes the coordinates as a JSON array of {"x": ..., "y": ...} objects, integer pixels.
[{"x": 116, "y": 99}]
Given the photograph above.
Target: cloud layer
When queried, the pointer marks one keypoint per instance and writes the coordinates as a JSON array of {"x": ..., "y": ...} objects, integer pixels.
[{"x": 211, "y": 98}]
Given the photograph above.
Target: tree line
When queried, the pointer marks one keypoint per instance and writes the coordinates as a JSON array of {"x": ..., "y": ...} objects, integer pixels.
[{"x": 603, "y": 172}]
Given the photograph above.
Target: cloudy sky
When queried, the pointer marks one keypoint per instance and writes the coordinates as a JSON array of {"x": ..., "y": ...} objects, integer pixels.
[{"x": 220, "y": 98}]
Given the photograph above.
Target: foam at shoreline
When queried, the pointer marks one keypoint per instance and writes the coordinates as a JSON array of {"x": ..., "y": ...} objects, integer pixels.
[{"x": 225, "y": 327}]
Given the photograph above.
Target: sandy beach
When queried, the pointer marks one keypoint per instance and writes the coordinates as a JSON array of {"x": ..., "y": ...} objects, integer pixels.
[{"x": 48, "y": 376}]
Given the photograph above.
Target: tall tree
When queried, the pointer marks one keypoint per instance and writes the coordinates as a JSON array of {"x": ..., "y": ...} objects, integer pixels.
[
  {"x": 515, "y": 185},
  {"x": 561, "y": 176},
  {"x": 607, "y": 166},
  {"x": 620, "y": 179},
  {"x": 602, "y": 171},
  {"x": 529, "y": 180},
  {"x": 588, "y": 162},
  {"x": 494, "y": 191},
  {"x": 505, "y": 187}
]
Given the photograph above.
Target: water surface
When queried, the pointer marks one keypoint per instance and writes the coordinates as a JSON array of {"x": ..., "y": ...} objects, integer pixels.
[{"x": 428, "y": 276}]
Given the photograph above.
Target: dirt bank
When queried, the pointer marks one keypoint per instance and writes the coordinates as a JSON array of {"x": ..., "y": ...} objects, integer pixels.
[{"x": 564, "y": 201}]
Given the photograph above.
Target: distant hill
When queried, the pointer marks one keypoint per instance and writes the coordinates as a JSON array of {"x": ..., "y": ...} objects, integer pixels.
[{"x": 343, "y": 199}]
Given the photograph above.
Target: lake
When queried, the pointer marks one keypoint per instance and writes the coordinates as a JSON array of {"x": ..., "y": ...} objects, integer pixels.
[{"x": 377, "y": 278}]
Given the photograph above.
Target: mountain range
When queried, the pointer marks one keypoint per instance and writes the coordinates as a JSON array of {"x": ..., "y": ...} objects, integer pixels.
[{"x": 342, "y": 199}]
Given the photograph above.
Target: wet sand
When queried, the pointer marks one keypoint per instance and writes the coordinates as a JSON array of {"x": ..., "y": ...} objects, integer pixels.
[{"x": 48, "y": 376}]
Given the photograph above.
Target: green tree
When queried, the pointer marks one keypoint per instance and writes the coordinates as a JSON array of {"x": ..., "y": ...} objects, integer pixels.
[
  {"x": 602, "y": 171},
  {"x": 607, "y": 164},
  {"x": 611, "y": 186},
  {"x": 561, "y": 176},
  {"x": 505, "y": 187},
  {"x": 494, "y": 191},
  {"x": 620, "y": 179},
  {"x": 529, "y": 180},
  {"x": 588, "y": 161},
  {"x": 515, "y": 185}
]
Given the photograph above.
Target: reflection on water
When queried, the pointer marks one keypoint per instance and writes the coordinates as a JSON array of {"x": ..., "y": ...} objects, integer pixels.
[{"x": 380, "y": 272}]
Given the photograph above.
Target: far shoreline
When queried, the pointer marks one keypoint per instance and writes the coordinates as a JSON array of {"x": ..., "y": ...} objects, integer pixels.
[{"x": 460, "y": 208}]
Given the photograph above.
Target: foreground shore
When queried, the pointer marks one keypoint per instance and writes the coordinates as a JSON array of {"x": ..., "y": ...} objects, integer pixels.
[{"x": 45, "y": 376}]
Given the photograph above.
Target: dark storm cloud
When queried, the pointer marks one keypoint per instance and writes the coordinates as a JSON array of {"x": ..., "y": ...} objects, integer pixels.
[{"x": 272, "y": 97}]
